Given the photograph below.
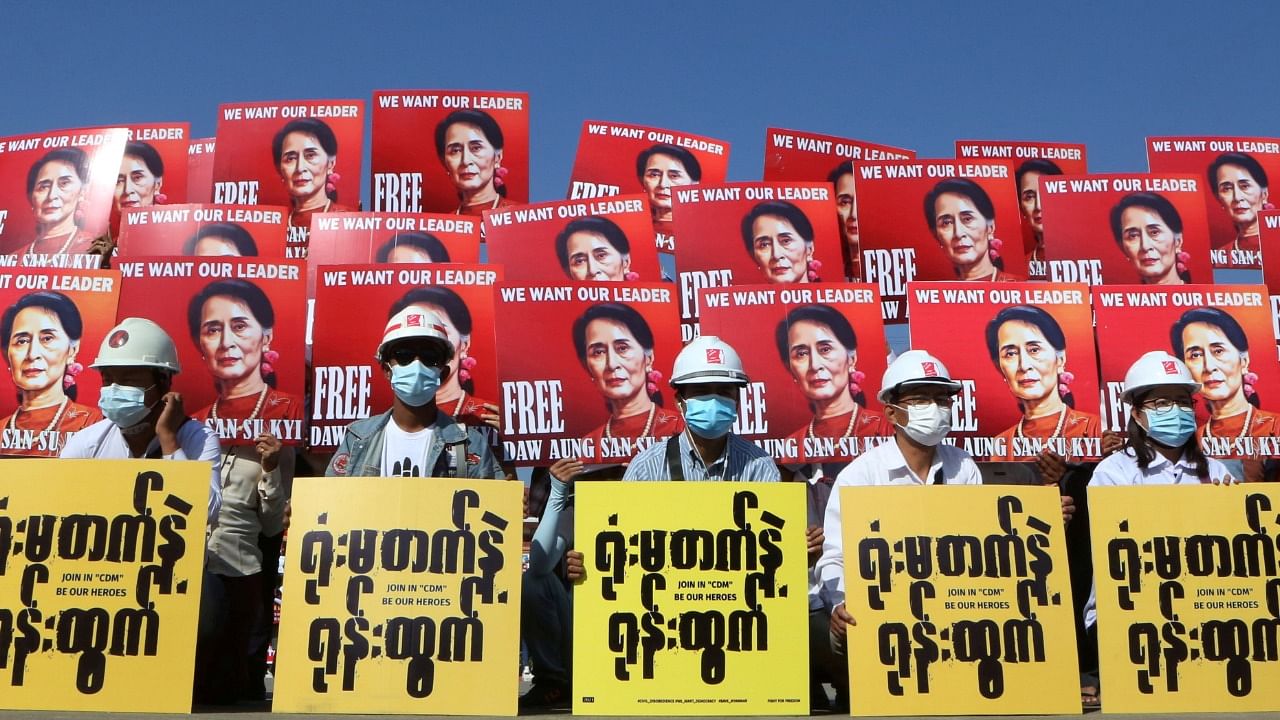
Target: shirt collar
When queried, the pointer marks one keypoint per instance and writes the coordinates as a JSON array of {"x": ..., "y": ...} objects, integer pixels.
[
  {"x": 896, "y": 464},
  {"x": 692, "y": 452}
]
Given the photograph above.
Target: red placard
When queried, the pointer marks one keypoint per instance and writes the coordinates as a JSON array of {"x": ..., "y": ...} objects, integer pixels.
[
  {"x": 1234, "y": 173},
  {"x": 1025, "y": 356},
  {"x": 239, "y": 327},
  {"x": 900, "y": 242},
  {"x": 616, "y": 159},
  {"x": 57, "y": 190},
  {"x": 584, "y": 370},
  {"x": 748, "y": 233},
  {"x": 154, "y": 168},
  {"x": 454, "y": 151},
  {"x": 353, "y": 304},
  {"x": 796, "y": 155},
  {"x": 1269, "y": 226},
  {"x": 607, "y": 239},
  {"x": 1030, "y": 160},
  {"x": 815, "y": 355},
  {"x": 200, "y": 170},
  {"x": 302, "y": 154},
  {"x": 51, "y": 324},
  {"x": 369, "y": 238},
  {"x": 1119, "y": 229},
  {"x": 1223, "y": 333},
  {"x": 204, "y": 231}
]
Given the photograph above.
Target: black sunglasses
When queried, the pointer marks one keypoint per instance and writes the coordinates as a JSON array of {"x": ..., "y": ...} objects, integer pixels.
[{"x": 429, "y": 356}]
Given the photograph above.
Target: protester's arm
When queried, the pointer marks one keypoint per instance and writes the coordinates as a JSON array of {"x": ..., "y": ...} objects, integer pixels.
[
  {"x": 278, "y": 464},
  {"x": 548, "y": 546}
]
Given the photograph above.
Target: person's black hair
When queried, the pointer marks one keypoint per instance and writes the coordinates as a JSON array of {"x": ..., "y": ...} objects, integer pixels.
[
  {"x": 821, "y": 315},
  {"x": 488, "y": 127},
  {"x": 1034, "y": 165},
  {"x": 1157, "y": 203},
  {"x": 968, "y": 188},
  {"x": 1218, "y": 318},
  {"x": 426, "y": 242},
  {"x": 452, "y": 305},
  {"x": 1251, "y": 166},
  {"x": 318, "y": 129},
  {"x": 1138, "y": 440},
  {"x": 624, "y": 315},
  {"x": 231, "y": 232},
  {"x": 775, "y": 208},
  {"x": 148, "y": 155},
  {"x": 601, "y": 226},
  {"x": 691, "y": 165},
  {"x": 1036, "y": 317},
  {"x": 56, "y": 303},
  {"x": 73, "y": 156},
  {"x": 839, "y": 171},
  {"x": 246, "y": 292}
]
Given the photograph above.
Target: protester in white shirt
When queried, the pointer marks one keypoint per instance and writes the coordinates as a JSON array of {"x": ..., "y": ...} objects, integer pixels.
[{"x": 144, "y": 417}]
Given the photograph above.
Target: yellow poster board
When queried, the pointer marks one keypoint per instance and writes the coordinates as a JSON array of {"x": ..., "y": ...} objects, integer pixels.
[
  {"x": 1188, "y": 597},
  {"x": 962, "y": 599},
  {"x": 100, "y": 570},
  {"x": 402, "y": 596},
  {"x": 694, "y": 601}
]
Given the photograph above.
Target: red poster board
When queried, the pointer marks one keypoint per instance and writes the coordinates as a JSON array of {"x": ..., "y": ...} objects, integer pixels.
[
  {"x": 368, "y": 238},
  {"x": 204, "y": 231},
  {"x": 200, "y": 170}
]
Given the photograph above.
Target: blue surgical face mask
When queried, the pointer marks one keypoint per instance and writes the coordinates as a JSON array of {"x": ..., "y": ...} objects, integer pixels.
[
  {"x": 415, "y": 384},
  {"x": 1172, "y": 428},
  {"x": 710, "y": 416},
  {"x": 124, "y": 405}
]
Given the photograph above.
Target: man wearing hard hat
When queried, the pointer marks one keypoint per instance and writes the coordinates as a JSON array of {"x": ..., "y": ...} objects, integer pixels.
[
  {"x": 144, "y": 417},
  {"x": 916, "y": 392},
  {"x": 707, "y": 377},
  {"x": 414, "y": 439}
]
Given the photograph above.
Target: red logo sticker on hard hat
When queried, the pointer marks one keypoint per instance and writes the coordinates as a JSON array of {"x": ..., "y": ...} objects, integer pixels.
[
  {"x": 1170, "y": 368},
  {"x": 118, "y": 339},
  {"x": 715, "y": 356},
  {"x": 930, "y": 369},
  {"x": 413, "y": 321}
]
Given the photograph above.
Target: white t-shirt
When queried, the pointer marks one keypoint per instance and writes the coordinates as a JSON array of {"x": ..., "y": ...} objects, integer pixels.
[{"x": 405, "y": 453}]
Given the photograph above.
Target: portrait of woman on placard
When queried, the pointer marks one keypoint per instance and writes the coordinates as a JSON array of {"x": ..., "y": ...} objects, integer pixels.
[
  {"x": 456, "y": 396},
  {"x": 56, "y": 188},
  {"x": 232, "y": 324},
  {"x": 1240, "y": 185},
  {"x": 1148, "y": 230},
  {"x": 779, "y": 239},
  {"x": 1028, "y": 177},
  {"x": 818, "y": 347},
  {"x": 1029, "y": 349},
  {"x": 962, "y": 219},
  {"x": 1215, "y": 349},
  {"x": 413, "y": 247},
  {"x": 305, "y": 153},
  {"x": 659, "y": 169},
  {"x": 141, "y": 177},
  {"x": 615, "y": 346},
  {"x": 841, "y": 179},
  {"x": 41, "y": 333},
  {"x": 469, "y": 144},
  {"x": 594, "y": 248},
  {"x": 221, "y": 240}
]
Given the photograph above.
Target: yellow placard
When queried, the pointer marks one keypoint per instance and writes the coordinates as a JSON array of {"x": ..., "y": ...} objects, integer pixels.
[
  {"x": 402, "y": 596},
  {"x": 100, "y": 570},
  {"x": 1188, "y": 597},
  {"x": 962, "y": 600},
  {"x": 694, "y": 601}
]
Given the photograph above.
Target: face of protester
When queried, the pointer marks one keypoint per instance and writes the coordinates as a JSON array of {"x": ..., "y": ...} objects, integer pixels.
[
  {"x": 136, "y": 185},
  {"x": 1241, "y": 196},
  {"x": 818, "y": 361},
  {"x": 1029, "y": 201},
  {"x": 1029, "y": 363},
  {"x": 232, "y": 340},
  {"x": 963, "y": 232},
  {"x": 57, "y": 193},
  {"x": 38, "y": 350},
  {"x": 1150, "y": 245},
  {"x": 470, "y": 159},
  {"x": 617, "y": 363},
  {"x": 661, "y": 174},
  {"x": 847, "y": 209},
  {"x": 305, "y": 166},
  {"x": 779, "y": 250},
  {"x": 593, "y": 257},
  {"x": 1214, "y": 361}
]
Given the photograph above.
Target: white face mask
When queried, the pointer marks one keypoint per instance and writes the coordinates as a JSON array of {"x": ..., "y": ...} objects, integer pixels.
[{"x": 927, "y": 424}]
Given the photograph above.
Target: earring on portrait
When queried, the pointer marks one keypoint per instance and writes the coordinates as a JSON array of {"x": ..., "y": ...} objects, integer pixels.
[
  {"x": 465, "y": 366},
  {"x": 69, "y": 377},
  {"x": 631, "y": 276},
  {"x": 1065, "y": 378},
  {"x": 499, "y": 176},
  {"x": 814, "y": 267},
  {"x": 856, "y": 378},
  {"x": 653, "y": 377},
  {"x": 269, "y": 360},
  {"x": 161, "y": 198},
  {"x": 995, "y": 246},
  {"x": 331, "y": 182},
  {"x": 1250, "y": 384},
  {"x": 1182, "y": 258}
]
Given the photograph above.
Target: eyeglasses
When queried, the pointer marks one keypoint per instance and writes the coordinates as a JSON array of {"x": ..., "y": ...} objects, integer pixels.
[
  {"x": 1164, "y": 405},
  {"x": 402, "y": 356},
  {"x": 919, "y": 402}
]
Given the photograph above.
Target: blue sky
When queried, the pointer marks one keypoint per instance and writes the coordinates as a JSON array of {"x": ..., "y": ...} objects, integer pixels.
[{"x": 914, "y": 74}]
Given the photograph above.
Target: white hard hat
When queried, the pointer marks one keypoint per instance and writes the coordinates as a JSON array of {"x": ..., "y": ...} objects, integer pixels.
[
  {"x": 138, "y": 342},
  {"x": 1154, "y": 369},
  {"x": 708, "y": 359},
  {"x": 915, "y": 367},
  {"x": 414, "y": 322}
]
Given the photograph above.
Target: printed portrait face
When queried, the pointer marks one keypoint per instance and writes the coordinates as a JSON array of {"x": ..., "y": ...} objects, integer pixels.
[
  {"x": 964, "y": 234},
  {"x": 1029, "y": 200},
  {"x": 216, "y": 246},
  {"x": 232, "y": 340},
  {"x": 1148, "y": 242},
  {"x": 304, "y": 165},
  {"x": 847, "y": 208},
  {"x": 136, "y": 185},
  {"x": 1214, "y": 361},
  {"x": 1029, "y": 364},
  {"x": 408, "y": 254},
  {"x": 661, "y": 173},
  {"x": 38, "y": 349},
  {"x": 592, "y": 257},
  {"x": 56, "y": 193},
  {"x": 818, "y": 361},
  {"x": 1240, "y": 195},
  {"x": 616, "y": 362},
  {"x": 469, "y": 157},
  {"x": 779, "y": 250}
]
